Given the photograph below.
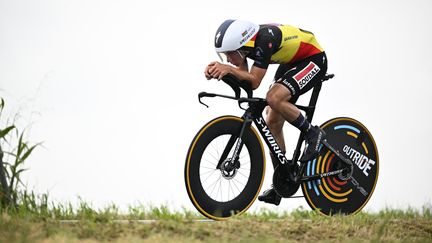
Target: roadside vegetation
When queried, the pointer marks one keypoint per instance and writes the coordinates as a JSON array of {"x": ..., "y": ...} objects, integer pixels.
[{"x": 36, "y": 220}]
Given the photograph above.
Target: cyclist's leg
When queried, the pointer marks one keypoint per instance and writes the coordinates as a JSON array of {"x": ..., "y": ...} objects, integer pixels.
[
  {"x": 302, "y": 77},
  {"x": 275, "y": 122},
  {"x": 274, "y": 119},
  {"x": 278, "y": 99},
  {"x": 297, "y": 79}
]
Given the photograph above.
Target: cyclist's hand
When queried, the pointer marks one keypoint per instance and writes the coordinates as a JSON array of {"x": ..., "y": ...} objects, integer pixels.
[
  {"x": 206, "y": 71},
  {"x": 218, "y": 70}
]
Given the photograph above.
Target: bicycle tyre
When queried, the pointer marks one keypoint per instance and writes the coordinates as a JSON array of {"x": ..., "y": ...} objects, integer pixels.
[
  {"x": 217, "y": 128},
  {"x": 332, "y": 195}
]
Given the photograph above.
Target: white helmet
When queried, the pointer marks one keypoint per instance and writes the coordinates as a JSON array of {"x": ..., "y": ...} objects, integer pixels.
[{"x": 233, "y": 34}]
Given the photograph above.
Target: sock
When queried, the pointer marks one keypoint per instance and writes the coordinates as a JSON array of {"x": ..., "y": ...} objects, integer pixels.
[{"x": 302, "y": 124}]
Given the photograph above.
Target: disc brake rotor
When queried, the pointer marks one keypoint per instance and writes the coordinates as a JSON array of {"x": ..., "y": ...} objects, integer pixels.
[{"x": 228, "y": 170}]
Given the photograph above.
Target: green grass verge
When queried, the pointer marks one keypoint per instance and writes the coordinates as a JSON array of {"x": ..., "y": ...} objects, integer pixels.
[{"x": 37, "y": 221}]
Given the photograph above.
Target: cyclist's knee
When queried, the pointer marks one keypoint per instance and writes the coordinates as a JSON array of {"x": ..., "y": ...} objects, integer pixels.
[
  {"x": 273, "y": 99},
  {"x": 276, "y": 96}
]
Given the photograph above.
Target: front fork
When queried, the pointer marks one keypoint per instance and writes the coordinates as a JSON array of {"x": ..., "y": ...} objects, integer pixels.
[{"x": 238, "y": 147}]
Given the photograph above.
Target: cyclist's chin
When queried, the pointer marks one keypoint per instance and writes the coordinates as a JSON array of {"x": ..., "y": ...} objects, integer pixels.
[{"x": 234, "y": 63}]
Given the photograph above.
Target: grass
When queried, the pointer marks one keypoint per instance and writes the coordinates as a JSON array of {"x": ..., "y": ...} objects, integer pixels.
[{"x": 39, "y": 221}]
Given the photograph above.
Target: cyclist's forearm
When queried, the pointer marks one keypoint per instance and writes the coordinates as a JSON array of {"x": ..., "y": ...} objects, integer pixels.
[{"x": 254, "y": 77}]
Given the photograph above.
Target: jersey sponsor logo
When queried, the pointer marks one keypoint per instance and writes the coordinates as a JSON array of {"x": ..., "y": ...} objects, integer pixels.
[
  {"x": 291, "y": 37},
  {"x": 363, "y": 162},
  {"x": 306, "y": 74}
]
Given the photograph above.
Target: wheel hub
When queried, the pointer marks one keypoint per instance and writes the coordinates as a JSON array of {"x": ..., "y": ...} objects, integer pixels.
[{"x": 229, "y": 169}]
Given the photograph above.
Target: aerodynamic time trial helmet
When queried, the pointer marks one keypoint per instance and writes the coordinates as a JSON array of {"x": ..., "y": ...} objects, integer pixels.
[{"x": 233, "y": 34}]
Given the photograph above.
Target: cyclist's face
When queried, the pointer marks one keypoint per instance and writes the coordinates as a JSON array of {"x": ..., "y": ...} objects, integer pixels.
[{"x": 234, "y": 57}]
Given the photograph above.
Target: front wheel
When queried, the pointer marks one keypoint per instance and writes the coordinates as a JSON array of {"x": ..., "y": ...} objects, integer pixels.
[
  {"x": 332, "y": 195},
  {"x": 219, "y": 193}
]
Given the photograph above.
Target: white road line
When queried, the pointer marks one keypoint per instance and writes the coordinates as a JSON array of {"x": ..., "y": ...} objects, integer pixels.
[{"x": 127, "y": 221}]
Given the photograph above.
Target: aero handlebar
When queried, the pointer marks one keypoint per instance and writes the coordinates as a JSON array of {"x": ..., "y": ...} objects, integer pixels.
[{"x": 236, "y": 85}]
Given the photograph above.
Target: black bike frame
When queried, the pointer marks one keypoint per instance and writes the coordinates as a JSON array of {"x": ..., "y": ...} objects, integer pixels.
[{"x": 254, "y": 114}]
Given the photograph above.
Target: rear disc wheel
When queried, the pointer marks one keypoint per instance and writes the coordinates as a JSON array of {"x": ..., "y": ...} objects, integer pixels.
[{"x": 333, "y": 195}]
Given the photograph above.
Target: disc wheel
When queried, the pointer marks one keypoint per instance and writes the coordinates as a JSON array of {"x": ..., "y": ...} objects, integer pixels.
[
  {"x": 332, "y": 195},
  {"x": 219, "y": 193}
]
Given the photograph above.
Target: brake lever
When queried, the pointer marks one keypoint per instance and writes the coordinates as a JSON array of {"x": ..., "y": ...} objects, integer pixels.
[
  {"x": 240, "y": 102},
  {"x": 204, "y": 94}
]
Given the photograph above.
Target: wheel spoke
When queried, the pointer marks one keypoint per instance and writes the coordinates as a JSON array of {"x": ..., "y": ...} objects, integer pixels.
[
  {"x": 209, "y": 176},
  {"x": 238, "y": 182},
  {"x": 229, "y": 186},
  {"x": 236, "y": 187},
  {"x": 247, "y": 177},
  {"x": 219, "y": 188},
  {"x": 214, "y": 183},
  {"x": 209, "y": 168},
  {"x": 232, "y": 190},
  {"x": 212, "y": 156},
  {"x": 208, "y": 161}
]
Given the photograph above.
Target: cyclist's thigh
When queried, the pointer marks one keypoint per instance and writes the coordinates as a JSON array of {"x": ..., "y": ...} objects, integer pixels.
[{"x": 304, "y": 75}]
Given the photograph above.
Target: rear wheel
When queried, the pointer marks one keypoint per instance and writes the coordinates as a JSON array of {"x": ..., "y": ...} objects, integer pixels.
[
  {"x": 221, "y": 193},
  {"x": 331, "y": 195}
]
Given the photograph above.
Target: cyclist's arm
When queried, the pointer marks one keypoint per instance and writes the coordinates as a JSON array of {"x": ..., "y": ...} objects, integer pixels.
[
  {"x": 255, "y": 76},
  {"x": 262, "y": 56}
]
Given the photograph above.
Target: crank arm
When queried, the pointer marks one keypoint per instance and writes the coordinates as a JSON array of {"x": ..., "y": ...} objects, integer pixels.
[{"x": 323, "y": 175}]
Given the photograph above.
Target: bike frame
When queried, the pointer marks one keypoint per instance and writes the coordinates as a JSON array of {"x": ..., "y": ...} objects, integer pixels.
[{"x": 254, "y": 114}]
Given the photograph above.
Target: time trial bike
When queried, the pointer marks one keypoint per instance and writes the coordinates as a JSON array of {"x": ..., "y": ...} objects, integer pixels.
[{"x": 225, "y": 163}]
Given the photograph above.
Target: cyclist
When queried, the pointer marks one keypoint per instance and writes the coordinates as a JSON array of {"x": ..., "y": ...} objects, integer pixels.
[{"x": 302, "y": 64}]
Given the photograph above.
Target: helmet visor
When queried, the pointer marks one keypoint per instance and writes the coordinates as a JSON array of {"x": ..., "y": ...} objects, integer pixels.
[{"x": 223, "y": 56}]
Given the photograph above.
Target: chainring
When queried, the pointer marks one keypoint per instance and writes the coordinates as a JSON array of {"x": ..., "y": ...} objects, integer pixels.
[{"x": 283, "y": 182}]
